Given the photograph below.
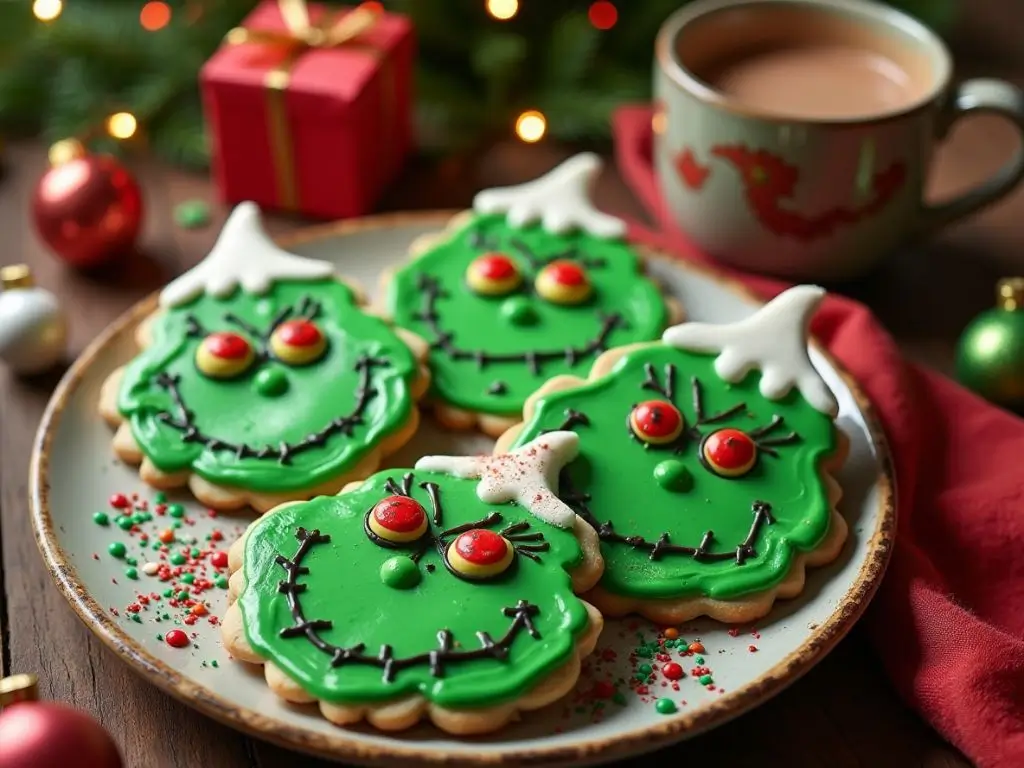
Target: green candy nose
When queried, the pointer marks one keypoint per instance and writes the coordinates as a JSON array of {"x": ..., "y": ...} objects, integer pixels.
[
  {"x": 271, "y": 382},
  {"x": 518, "y": 310},
  {"x": 672, "y": 475}
]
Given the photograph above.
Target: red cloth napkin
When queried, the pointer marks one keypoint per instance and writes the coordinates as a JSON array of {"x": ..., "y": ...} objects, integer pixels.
[{"x": 948, "y": 620}]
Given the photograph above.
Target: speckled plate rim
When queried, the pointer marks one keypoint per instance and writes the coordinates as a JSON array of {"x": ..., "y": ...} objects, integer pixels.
[{"x": 339, "y": 746}]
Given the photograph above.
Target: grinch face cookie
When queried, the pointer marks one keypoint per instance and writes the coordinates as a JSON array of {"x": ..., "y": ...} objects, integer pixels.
[
  {"x": 261, "y": 379},
  {"x": 444, "y": 592},
  {"x": 536, "y": 282},
  {"x": 705, "y": 465}
]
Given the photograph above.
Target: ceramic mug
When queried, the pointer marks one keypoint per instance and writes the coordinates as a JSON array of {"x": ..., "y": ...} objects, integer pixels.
[{"x": 810, "y": 197}]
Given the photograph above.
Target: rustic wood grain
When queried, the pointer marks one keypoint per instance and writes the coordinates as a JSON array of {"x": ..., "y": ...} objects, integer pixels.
[{"x": 843, "y": 713}]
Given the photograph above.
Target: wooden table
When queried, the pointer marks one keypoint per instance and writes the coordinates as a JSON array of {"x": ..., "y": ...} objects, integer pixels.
[{"x": 842, "y": 713}]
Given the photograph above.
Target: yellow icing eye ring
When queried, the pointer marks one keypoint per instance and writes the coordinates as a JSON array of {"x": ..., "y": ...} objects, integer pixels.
[
  {"x": 656, "y": 422},
  {"x": 564, "y": 282},
  {"x": 224, "y": 355},
  {"x": 396, "y": 520},
  {"x": 479, "y": 554},
  {"x": 493, "y": 274},
  {"x": 298, "y": 342},
  {"x": 728, "y": 452}
]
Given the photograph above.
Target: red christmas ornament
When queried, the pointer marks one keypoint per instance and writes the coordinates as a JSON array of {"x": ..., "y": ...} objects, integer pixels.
[
  {"x": 43, "y": 734},
  {"x": 86, "y": 208}
]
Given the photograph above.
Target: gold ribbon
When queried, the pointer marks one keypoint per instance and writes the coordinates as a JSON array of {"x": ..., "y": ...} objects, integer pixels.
[{"x": 300, "y": 36}]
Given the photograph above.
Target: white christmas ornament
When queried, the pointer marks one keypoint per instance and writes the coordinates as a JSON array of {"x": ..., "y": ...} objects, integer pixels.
[
  {"x": 559, "y": 200},
  {"x": 527, "y": 475},
  {"x": 243, "y": 255},
  {"x": 772, "y": 340},
  {"x": 33, "y": 329}
]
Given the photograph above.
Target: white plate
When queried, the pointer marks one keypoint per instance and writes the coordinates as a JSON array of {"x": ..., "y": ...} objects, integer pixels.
[{"x": 73, "y": 475}]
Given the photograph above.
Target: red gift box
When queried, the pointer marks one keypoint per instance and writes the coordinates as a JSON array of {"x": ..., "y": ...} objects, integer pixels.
[{"x": 309, "y": 109}]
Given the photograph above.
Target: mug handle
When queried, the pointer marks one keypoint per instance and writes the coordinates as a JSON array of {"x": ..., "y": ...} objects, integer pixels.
[{"x": 980, "y": 95}]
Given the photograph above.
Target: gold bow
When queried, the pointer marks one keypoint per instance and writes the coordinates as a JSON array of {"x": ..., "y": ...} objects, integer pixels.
[{"x": 300, "y": 36}]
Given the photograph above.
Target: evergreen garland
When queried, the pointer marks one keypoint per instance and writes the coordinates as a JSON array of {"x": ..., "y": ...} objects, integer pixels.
[{"x": 475, "y": 74}]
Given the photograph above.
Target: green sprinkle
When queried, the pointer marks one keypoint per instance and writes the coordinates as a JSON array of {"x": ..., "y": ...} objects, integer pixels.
[
  {"x": 166, "y": 617},
  {"x": 101, "y": 518},
  {"x": 124, "y": 523},
  {"x": 117, "y": 549},
  {"x": 670, "y": 643},
  {"x": 131, "y": 573},
  {"x": 160, "y": 497},
  {"x": 699, "y": 660},
  {"x": 131, "y": 561},
  {"x": 640, "y": 678},
  {"x": 178, "y": 559},
  {"x": 665, "y": 706},
  {"x": 182, "y": 595},
  {"x": 176, "y": 510},
  {"x": 168, "y": 593},
  {"x": 195, "y": 553},
  {"x": 160, "y": 638},
  {"x": 706, "y": 680},
  {"x": 136, "y": 618},
  {"x": 188, "y": 578},
  {"x": 176, "y": 524},
  {"x": 157, "y": 619},
  {"x": 214, "y": 664},
  {"x": 644, "y": 653},
  {"x": 646, "y": 669},
  {"x": 136, "y": 519},
  {"x": 221, "y": 581},
  {"x": 145, "y": 516},
  {"x": 619, "y": 698},
  {"x": 192, "y": 214}
]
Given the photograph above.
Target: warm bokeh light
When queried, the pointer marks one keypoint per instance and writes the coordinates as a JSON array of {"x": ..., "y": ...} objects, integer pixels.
[
  {"x": 47, "y": 10},
  {"x": 373, "y": 6},
  {"x": 603, "y": 14},
  {"x": 531, "y": 126},
  {"x": 503, "y": 10},
  {"x": 155, "y": 15},
  {"x": 122, "y": 125}
]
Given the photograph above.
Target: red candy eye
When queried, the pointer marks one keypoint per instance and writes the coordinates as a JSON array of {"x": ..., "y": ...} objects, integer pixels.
[
  {"x": 297, "y": 342},
  {"x": 656, "y": 422},
  {"x": 480, "y": 554},
  {"x": 224, "y": 355},
  {"x": 397, "y": 519},
  {"x": 564, "y": 282},
  {"x": 493, "y": 274},
  {"x": 728, "y": 452}
]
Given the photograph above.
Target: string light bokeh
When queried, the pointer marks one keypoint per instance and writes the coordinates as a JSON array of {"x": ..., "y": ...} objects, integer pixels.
[
  {"x": 155, "y": 15},
  {"x": 122, "y": 125},
  {"x": 531, "y": 126},
  {"x": 47, "y": 10},
  {"x": 603, "y": 14},
  {"x": 503, "y": 10}
]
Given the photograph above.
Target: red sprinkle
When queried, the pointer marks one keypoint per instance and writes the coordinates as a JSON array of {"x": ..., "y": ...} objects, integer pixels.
[
  {"x": 216, "y": 535},
  {"x": 603, "y": 690},
  {"x": 672, "y": 671},
  {"x": 190, "y": 619},
  {"x": 219, "y": 559},
  {"x": 119, "y": 501},
  {"x": 696, "y": 648},
  {"x": 177, "y": 639},
  {"x": 752, "y": 648},
  {"x": 734, "y": 632}
]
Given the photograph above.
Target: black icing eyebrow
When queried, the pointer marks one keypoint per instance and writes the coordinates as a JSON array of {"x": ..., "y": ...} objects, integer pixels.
[{"x": 478, "y": 240}]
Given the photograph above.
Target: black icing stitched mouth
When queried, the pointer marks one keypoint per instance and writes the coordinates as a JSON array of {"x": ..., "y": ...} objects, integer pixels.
[
  {"x": 184, "y": 421},
  {"x": 448, "y": 650},
  {"x": 534, "y": 359}
]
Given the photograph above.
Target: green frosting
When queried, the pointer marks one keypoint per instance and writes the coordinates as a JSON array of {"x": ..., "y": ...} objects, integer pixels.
[
  {"x": 373, "y": 602},
  {"x": 631, "y": 487},
  {"x": 272, "y": 404},
  {"x": 522, "y": 322}
]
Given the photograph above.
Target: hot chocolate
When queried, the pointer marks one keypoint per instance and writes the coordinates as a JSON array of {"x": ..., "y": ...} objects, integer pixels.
[{"x": 815, "y": 81}]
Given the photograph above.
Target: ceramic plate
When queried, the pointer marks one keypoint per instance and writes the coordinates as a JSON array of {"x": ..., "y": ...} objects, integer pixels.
[{"x": 612, "y": 713}]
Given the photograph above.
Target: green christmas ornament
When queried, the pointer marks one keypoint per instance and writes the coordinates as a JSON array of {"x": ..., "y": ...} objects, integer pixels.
[{"x": 990, "y": 354}]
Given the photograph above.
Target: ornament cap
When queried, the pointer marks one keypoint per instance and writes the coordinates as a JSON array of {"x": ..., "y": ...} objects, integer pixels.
[
  {"x": 16, "y": 276},
  {"x": 1010, "y": 294},
  {"x": 18, "y": 688},
  {"x": 65, "y": 151}
]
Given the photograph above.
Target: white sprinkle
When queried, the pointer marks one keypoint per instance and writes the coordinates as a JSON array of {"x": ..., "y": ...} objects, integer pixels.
[{"x": 150, "y": 569}]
